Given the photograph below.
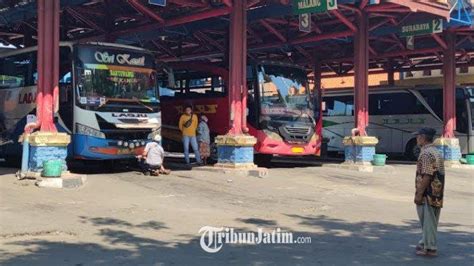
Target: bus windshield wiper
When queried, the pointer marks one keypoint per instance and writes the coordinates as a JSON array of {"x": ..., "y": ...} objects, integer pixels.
[{"x": 142, "y": 104}]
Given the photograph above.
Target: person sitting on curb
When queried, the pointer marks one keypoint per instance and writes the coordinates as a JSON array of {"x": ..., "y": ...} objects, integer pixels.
[{"x": 151, "y": 161}]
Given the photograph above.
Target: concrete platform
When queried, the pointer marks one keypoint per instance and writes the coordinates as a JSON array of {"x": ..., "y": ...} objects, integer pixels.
[
  {"x": 260, "y": 172},
  {"x": 458, "y": 165},
  {"x": 67, "y": 180},
  {"x": 126, "y": 218},
  {"x": 362, "y": 167}
]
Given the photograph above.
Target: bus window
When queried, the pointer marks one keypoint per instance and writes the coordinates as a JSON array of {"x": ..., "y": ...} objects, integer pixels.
[
  {"x": 17, "y": 71},
  {"x": 197, "y": 86},
  {"x": 166, "y": 92},
  {"x": 200, "y": 85},
  {"x": 389, "y": 104},
  {"x": 66, "y": 78},
  {"x": 339, "y": 106},
  {"x": 252, "y": 116},
  {"x": 434, "y": 97},
  {"x": 218, "y": 85}
]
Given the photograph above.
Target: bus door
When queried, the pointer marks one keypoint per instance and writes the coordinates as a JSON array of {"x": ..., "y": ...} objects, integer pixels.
[
  {"x": 66, "y": 93},
  {"x": 252, "y": 100}
]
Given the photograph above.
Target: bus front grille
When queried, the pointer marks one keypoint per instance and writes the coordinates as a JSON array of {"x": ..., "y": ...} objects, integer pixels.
[
  {"x": 301, "y": 131},
  {"x": 296, "y": 134},
  {"x": 114, "y": 133},
  {"x": 126, "y": 134}
]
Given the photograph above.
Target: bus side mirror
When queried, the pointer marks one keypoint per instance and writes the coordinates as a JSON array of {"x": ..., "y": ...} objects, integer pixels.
[{"x": 323, "y": 106}]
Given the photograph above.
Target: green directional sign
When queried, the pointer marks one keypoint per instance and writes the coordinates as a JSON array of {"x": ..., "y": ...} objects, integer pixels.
[
  {"x": 313, "y": 6},
  {"x": 423, "y": 28}
]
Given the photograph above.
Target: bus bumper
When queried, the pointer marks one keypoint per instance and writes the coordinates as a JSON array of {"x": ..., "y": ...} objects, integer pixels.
[
  {"x": 267, "y": 145},
  {"x": 92, "y": 148}
]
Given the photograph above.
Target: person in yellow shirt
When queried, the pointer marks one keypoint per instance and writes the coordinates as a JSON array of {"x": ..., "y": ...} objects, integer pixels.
[{"x": 188, "y": 123}]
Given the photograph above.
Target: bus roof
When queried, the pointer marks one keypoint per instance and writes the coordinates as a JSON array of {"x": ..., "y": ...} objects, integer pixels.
[
  {"x": 116, "y": 45},
  {"x": 11, "y": 52},
  {"x": 349, "y": 91}
]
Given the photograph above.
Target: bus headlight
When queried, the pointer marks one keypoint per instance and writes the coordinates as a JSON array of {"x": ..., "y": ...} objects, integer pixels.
[{"x": 88, "y": 131}]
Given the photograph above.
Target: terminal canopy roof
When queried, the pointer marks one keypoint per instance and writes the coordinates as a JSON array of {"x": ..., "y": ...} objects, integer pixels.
[{"x": 197, "y": 30}]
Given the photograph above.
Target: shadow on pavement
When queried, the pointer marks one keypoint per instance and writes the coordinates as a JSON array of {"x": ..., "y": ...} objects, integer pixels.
[{"x": 338, "y": 243}]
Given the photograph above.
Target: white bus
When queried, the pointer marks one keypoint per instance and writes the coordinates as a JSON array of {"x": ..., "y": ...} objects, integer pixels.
[
  {"x": 108, "y": 99},
  {"x": 396, "y": 112}
]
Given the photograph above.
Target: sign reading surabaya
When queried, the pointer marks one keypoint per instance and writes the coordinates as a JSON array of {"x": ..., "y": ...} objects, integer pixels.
[
  {"x": 313, "y": 6},
  {"x": 428, "y": 27}
]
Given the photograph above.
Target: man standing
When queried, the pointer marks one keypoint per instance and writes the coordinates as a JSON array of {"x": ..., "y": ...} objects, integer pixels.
[
  {"x": 429, "y": 191},
  {"x": 188, "y": 123}
]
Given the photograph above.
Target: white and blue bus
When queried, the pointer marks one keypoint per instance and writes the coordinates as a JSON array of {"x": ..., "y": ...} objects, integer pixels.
[
  {"x": 396, "y": 112},
  {"x": 108, "y": 99}
]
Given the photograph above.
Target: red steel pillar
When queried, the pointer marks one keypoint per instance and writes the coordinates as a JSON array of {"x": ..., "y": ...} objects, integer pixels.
[
  {"x": 449, "y": 90},
  {"x": 359, "y": 149},
  {"x": 48, "y": 63},
  {"x": 361, "y": 72},
  {"x": 448, "y": 144},
  {"x": 237, "y": 67},
  {"x": 236, "y": 149},
  {"x": 318, "y": 94},
  {"x": 46, "y": 144}
]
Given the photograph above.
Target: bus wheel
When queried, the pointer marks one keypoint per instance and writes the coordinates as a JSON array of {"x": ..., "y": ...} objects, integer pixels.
[
  {"x": 263, "y": 160},
  {"x": 412, "y": 151}
]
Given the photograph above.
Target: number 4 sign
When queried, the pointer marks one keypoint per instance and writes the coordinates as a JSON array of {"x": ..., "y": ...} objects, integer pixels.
[{"x": 305, "y": 22}]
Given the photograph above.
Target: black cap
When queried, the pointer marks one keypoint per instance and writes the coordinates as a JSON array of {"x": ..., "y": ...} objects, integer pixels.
[{"x": 425, "y": 131}]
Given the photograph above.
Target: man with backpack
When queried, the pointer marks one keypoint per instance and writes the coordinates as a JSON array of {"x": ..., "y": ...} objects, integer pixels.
[{"x": 188, "y": 123}]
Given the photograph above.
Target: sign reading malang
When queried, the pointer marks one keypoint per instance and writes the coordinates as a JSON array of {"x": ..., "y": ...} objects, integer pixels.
[
  {"x": 313, "y": 6},
  {"x": 414, "y": 29}
]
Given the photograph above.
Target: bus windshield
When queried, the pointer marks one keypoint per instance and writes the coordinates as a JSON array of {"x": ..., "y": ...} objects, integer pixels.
[
  {"x": 284, "y": 93},
  {"x": 107, "y": 77}
]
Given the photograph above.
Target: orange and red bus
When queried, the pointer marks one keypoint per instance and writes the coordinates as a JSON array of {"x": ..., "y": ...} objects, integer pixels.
[{"x": 282, "y": 113}]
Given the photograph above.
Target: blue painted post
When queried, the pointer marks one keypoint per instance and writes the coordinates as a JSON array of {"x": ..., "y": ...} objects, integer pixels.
[{"x": 25, "y": 155}]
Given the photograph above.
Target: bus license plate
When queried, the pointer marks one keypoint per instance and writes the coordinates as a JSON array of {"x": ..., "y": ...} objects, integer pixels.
[{"x": 297, "y": 149}]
